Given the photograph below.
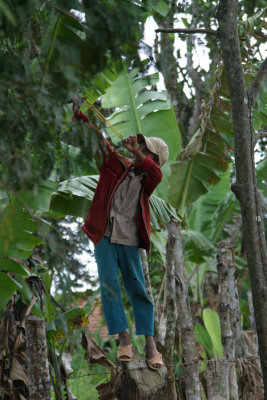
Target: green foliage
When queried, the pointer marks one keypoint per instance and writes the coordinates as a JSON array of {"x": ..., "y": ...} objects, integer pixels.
[
  {"x": 261, "y": 177},
  {"x": 160, "y": 6},
  {"x": 255, "y": 22},
  {"x": 48, "y": 164},
  {"x": 9, "y": 265},
  {"x": 140, "y": 108},
  {"x": 212, "y": 325},
  {"x": 213, "y": 211},
  {"x": 201, "y": 335},
  {"x": 62, "y": 324},
  {"x": 197, "y": 246},
  {"x": 206, "y": 155},
  {"x": 16, "y": 230},
  {"x": 86, "y": 378},
  {"x": 46, "y": 54},
  {"x": 74, "y": 196},
  {"x": 7, "y": 286},
  {"x": 121, "y": 33}
]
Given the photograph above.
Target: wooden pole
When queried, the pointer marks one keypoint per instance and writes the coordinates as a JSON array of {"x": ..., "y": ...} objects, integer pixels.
[{"x": 37, "y": 360}]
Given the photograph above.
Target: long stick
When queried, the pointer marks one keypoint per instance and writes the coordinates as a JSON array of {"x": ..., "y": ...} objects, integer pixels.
[{"x": 103, "y": 119}]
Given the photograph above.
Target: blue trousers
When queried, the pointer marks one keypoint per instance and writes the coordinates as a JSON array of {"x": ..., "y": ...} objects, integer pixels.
[{"x": 110, "y": 257}]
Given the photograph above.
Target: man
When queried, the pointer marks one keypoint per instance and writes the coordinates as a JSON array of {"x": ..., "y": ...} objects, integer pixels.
[{"x": 118, "y": 223}]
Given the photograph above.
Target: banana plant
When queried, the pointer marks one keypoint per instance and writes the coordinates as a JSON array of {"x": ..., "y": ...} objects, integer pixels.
[
  {"x": 19, "y": 224},
  {"x": 209, "y": 152}
]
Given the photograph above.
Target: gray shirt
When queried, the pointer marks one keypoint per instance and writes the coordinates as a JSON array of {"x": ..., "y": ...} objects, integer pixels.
[{"x": 122, "y": 227}]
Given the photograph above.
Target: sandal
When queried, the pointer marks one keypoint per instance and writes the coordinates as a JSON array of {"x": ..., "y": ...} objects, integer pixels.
[
  {"x": 155, "y": 363},
  {"x": 125, "y": 353}
]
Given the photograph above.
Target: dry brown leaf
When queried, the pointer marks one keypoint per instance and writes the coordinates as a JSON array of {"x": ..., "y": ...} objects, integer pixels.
[
  {"x": 17, "y": 372},
  {"x": 95, "y": 353}
]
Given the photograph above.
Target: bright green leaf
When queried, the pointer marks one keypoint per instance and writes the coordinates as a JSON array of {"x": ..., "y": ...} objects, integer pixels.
[
  {"x": 7, "y": 288},
  {"x": 212, "y": 324}
]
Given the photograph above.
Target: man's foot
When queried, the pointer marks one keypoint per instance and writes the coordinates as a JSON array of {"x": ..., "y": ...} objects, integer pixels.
[
  {"x": 124, "y": 338},
  {"x": 124, "y": 352},
  {"x": 154, "y": 358}
]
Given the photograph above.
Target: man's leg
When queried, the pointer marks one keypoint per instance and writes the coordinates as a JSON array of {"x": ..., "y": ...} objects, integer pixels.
[
  {"x": 107, "y": 263},
  {"x": 133, "y": 278}
]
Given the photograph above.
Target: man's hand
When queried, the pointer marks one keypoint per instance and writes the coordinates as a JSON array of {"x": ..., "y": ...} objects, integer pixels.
[
  {"x": 75, "y": 106},
  {"x": 131, "y": 144}
]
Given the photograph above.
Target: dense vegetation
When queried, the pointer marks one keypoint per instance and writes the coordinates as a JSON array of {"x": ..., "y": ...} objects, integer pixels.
[{"x": 49, "y": 165}]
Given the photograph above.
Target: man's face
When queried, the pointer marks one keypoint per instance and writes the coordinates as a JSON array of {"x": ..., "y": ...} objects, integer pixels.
[{"x": 145, "y": 151}]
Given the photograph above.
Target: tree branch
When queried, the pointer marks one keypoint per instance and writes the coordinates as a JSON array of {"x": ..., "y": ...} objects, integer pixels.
[
  {"x": 189, "y": 31},
  {"x": 61, "y": 10},
  {"x": 197, "y": 83},
  {"x": 257, "y": 81}
]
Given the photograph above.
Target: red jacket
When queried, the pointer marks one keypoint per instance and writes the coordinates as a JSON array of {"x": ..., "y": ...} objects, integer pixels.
[{"x": 113, "y": 171}]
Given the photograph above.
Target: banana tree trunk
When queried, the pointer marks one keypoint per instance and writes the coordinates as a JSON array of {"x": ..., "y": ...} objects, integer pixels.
[
  {"x": 217, "y": 371},
  {"x": 171, "y": 251},
  {"x": 245, "y": 187},
  {"x": 225, "y": 319},
  {"x": 150, "y": 294},
  {"x": 189, "y": 354},
  {"x": 146, "y": 274},
  {"x": 38, "y": 371}
]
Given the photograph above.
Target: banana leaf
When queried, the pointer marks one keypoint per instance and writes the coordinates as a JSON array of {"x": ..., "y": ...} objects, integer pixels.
[
  {"x": 191, "y": 176},
  {"x": 16, "y": 232},
  {"x": 214, "y": 210},
  {"x": 209, "y": 152},
  {"x": 20, "y": 221},
  {"x": 207, "y": 155},
  {"x": 74, "y": 196},
  {"x": 139, "y": 108},
  {"x": 8, "y": 286}
]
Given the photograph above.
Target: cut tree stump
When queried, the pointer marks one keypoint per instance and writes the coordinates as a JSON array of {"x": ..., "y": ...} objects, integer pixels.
[{"x": 138, "y": 382}]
